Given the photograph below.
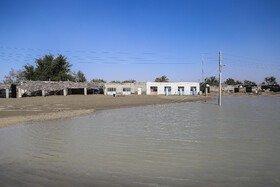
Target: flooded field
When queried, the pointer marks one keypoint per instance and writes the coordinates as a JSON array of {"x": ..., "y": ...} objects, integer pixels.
[{"x": 183, "y": 144}]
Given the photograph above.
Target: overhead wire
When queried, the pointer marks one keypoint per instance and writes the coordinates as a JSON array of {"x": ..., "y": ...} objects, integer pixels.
[
  {"x": 236, "y": 63},
  {"x": 92, "y": 59}
]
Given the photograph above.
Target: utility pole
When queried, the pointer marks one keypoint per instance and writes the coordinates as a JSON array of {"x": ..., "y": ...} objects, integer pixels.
[
  {"x": 220, "y": 80},
  {"x": 202, "y": 68}
]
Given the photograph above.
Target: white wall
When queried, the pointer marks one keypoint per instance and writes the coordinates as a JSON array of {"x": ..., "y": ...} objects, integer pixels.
[
  {"x": 174, "y": 87},
  {"x": 145, "y": 87},
  {"x": 141, "y": 85}
]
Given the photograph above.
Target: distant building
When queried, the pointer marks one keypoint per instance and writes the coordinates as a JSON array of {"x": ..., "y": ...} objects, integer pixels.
[
  {"x": 235, "y": 88},
  {"x": 152, "y": 88},
  {"x": 124, "y": 88},
  {"x": 274, "y": 88},
  {"x": 225, "y": 88},
  {"x": 172, "y": 88}
]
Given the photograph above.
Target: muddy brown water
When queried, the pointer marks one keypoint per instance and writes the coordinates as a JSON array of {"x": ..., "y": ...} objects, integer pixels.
[{"x": 183, "y": 144}]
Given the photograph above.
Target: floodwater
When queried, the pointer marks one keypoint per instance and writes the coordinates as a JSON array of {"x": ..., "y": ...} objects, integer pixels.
[{"x": 185, "y": 144}]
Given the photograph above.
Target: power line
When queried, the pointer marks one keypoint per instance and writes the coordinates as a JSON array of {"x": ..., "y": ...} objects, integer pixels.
[
  {"x": 91, "y": 57},
  {"x": 250, "y": 58}
]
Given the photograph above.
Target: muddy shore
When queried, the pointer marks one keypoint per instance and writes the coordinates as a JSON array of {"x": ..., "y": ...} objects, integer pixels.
[{"x": 22, "y": 110}]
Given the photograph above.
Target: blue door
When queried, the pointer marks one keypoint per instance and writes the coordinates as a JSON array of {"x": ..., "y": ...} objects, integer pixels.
[
  {"x": 169, "y": 90},
  {"x": 183, "y": 90},
  {"x": 193, "y": 92}
]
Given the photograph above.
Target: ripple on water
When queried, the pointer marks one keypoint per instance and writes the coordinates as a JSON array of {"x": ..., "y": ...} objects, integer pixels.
[{"x": 183, "y": 144}]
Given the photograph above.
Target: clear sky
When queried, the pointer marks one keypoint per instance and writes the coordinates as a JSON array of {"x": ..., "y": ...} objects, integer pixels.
[{"x": 144, "y": 39}]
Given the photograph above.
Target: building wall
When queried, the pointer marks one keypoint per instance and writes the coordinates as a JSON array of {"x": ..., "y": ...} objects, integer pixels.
[
  {"x": 141, "y": 85},
  {"x": 119, "y": 88},
  {"x": 174, "y": 87},
  {"x": 145, "y": 87},
  {"x": 224, "y": 87},
  {"x": 230, "y": 88}
]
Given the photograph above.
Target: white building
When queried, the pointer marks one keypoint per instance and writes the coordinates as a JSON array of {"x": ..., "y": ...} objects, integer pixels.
[
  {"x": 152, "y": 88},
  {"x": 172, "y": 88}
]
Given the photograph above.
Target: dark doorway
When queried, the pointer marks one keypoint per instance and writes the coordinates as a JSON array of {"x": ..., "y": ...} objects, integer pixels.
[
  {"x": 14, "y": 91},
  {"x": 153, "y": 90},
  {"x": 248, "y": 89}
]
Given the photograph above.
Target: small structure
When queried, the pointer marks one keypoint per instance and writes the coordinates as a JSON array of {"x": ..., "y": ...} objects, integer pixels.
[
  {"x": 124, "y": 88},
  {"x": 172, "y": 88},
  {"x": 274, "y": 88},
  {"x": 225, "y": 88},
  {"x": 250, "y": 88},
  {"x": 5, "y": 90}
]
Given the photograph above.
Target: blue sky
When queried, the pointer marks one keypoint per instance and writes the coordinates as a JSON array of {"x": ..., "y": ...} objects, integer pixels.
[{"x": 144, "y": 39}]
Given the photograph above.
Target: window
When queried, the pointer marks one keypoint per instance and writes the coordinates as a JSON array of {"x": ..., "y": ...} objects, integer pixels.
[
  {"x": 111, "y": 89},
  {"x": 181, "y": 87},
  {"x": 153, "y": 89},
  {"x": 126, "y": 89}
]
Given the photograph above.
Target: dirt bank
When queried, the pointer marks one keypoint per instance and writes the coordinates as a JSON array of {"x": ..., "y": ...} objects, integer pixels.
[{"x": 21, "y": 110}]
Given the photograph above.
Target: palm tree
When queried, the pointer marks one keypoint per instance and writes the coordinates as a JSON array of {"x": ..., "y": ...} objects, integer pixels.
[{"x": 162, "y": 79}]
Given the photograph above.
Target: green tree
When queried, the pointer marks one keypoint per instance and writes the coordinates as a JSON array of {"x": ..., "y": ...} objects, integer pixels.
[
  {"x": 270, "y": 80},
  {"x": 249, "y": 83},
  {"x": 115, "y": 82},
  {"x": 29, "y": 72},
  {"x": 79, "y": 77},
  {"x": 98, "y": 80},
  {"x": 129, "y": 81},
  {"x": 238, "y": 82},
  {"x": 49, "y": 68},
  {"x": 211, "y": 81},
  {"x": 162, "y": 79},
  {"x": 230, "y": 81}
]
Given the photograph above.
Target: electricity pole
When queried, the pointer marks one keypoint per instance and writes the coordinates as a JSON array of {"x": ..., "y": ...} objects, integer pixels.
[
  {"x": 220, "y": 80},
  {"x": 202, "y": 68}
]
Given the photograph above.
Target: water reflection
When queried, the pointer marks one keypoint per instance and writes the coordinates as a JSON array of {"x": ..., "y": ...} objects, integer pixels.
[{"x": 187, "y": 144}]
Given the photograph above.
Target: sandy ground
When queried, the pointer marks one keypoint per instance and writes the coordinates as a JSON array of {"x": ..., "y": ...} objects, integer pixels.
[{"x": 22, "y": 110}]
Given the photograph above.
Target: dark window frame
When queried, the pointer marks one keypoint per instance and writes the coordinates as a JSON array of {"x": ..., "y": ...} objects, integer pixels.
[
  {"x": 191, "y": 88},
  {"x": 154, "y": 88},
  {"x": 126, "y": 89},
  {"x": 169, "y": 88},
  {"x": 111, "y": 89},
  {"x": 183, "y": 88}
]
